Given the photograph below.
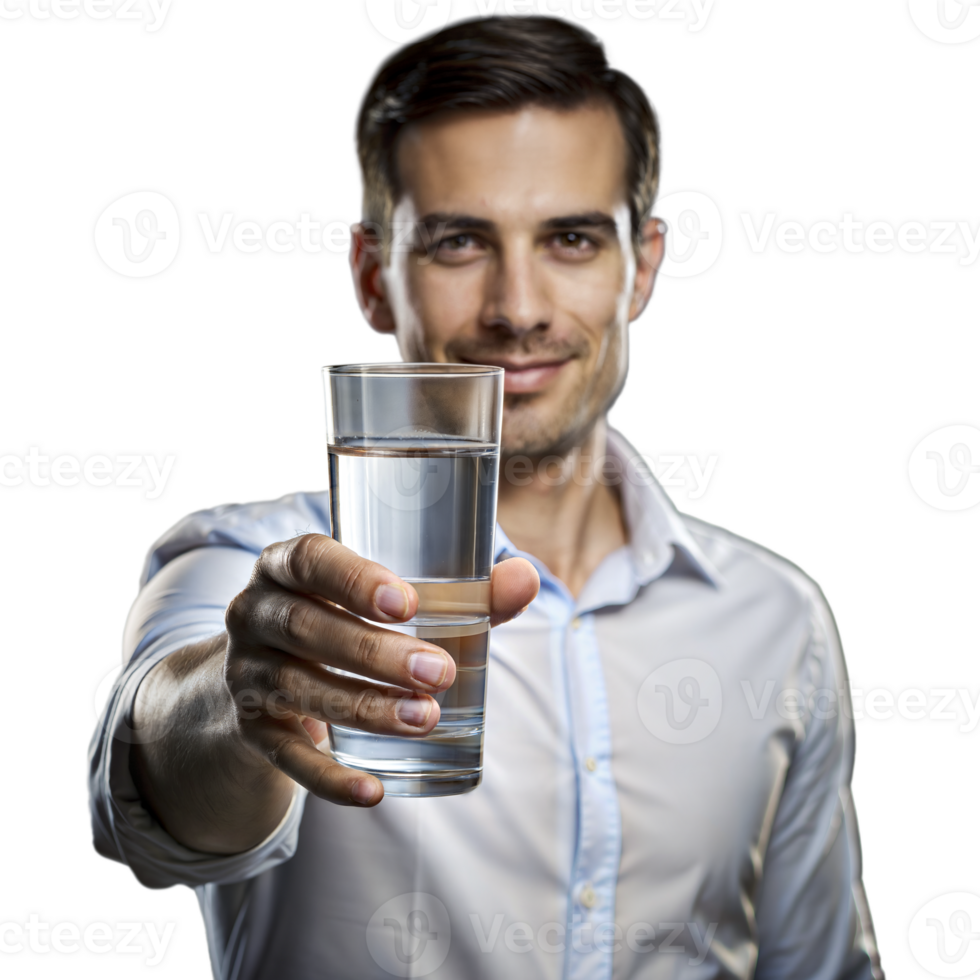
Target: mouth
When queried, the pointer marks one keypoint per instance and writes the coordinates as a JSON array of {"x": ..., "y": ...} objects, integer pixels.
[{"x": 524, "y": 376}]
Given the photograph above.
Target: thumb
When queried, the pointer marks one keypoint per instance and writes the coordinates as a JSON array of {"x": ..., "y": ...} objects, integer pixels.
[{"x": 513, "y": 585}]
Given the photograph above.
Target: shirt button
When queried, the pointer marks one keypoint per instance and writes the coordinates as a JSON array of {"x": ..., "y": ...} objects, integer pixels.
[
  {"x": 590, "y": 764},
  {"x": 587, "y": 897},
  {"x": 576, "y": 623}
]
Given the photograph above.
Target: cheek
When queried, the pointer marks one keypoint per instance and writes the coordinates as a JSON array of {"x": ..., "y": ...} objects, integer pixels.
[
  {"x": 448, "y": 302},
  {"x": 592, "y": 297}
]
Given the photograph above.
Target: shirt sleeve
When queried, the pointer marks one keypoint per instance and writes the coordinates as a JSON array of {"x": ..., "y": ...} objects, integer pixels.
[
  {"x": 183, "y": 602},
  {"x": 812, "y": 916}
]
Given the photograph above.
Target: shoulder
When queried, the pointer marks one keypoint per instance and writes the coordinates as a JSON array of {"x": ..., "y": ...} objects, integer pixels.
[
  {"x": 250, "y": 527},
  {"x": 774, "y": 598},
  {"x": 754, "y": 571}
]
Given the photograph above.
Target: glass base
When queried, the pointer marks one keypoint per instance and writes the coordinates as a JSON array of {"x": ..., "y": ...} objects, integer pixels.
[
  {"x": 446, "y": 762},
  {"x": 427, "y": 784}
]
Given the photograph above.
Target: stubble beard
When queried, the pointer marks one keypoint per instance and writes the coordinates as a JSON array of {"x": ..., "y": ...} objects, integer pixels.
[
  {"x": 567, "y": 427},
  {"x": 527, "y": 433},
  {"x": 529, "y": 430}
]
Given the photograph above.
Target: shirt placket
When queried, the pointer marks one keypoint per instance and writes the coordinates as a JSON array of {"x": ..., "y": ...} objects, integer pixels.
[{"x": 591, "y": 930}]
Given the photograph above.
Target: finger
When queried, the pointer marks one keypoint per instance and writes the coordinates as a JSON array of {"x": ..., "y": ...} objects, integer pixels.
[
  {"x": 318, "y": 565},
  {"x": 283, "y": 686},
  {"x": 289, "y": 748},
  {"x": 317, "y": 730},
  {"x": 313, "y": 630},
  {"x": 513, "y": 585}
]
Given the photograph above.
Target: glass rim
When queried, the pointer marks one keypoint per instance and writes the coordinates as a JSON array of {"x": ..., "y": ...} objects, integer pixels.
[{"x": 412, "y": 369}]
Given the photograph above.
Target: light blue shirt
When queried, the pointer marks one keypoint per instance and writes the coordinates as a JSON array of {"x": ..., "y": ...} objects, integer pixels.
[{"x": 666, "y": 790}]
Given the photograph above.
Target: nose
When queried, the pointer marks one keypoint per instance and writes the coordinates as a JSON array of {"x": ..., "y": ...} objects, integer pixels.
[{"x": 517, "y": 297}]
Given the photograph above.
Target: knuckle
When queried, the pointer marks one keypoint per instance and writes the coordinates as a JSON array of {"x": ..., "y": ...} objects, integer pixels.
[
  {"x": 366, "y": 707},
  {"x": 231, "y": 670},
  {"x": 301, "y": 555},
  {"x": 245, "y": 731},
  {"x": 268, "y": 559},
  {"x": 237, "y": 613},
  {"x": 236, "y": 668},
  {"x": 324, "y": 783},
  {"x": 331, "y": 780},
  {"x": 309, "y": 699},
  {"x": 252, "y": 680},
  {"x": 296, "y": 620},
  {"x": 354, "y": 572},
  {"x": 368, "y": 651},
  {"x": 278, "y": 679},
  {"x": 335, "y": 705}
]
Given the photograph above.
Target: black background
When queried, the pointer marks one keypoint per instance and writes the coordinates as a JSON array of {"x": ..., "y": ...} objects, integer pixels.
[{"x": 811, "y": 376}]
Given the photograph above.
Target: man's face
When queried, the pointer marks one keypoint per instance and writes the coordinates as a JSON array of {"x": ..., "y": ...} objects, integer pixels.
[{"x": 522, "y": 258}]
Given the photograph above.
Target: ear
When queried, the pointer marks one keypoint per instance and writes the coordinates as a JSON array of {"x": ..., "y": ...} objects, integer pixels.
[
  {"x": 366, "y": 266},
  {"x": 651, "y": 254}
]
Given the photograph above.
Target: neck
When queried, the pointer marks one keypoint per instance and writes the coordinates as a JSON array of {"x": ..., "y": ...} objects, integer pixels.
[{"x": 564, "y": 515}]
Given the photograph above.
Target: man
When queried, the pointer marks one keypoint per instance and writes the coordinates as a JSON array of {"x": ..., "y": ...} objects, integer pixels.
[{"x": 652, "y": 804}]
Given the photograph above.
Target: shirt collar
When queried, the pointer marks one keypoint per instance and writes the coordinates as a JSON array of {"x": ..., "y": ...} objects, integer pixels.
[
  {"x": 655, "y": 527},
  {"x": 657, "y": 535}
]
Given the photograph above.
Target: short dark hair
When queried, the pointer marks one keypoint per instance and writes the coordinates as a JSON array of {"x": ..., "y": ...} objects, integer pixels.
[{"x": 504, "y": 64}]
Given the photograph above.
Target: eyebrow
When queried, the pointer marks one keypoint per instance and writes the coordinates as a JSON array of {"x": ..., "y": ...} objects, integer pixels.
[
  {"x": 441, "y": 219},
  {"x": 590, "y": 219},
  {"x": 468, "y": 222}
]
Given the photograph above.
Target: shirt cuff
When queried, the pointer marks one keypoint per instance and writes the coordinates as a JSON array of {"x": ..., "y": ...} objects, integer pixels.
[{"x": 126, "y": 831}]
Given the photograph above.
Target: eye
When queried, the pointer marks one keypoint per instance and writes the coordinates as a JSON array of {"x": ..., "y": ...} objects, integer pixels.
[
  {"x": 460, "y": 248},
  {"x": 573, "y": 244},
  {"x": 458, "y": 243}
]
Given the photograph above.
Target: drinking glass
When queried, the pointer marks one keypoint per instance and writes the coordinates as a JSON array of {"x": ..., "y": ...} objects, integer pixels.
[{"x": 414, "y": 453}]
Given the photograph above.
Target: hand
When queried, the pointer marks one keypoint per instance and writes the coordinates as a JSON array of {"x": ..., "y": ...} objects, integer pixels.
[{"x": 298, "y": 615}]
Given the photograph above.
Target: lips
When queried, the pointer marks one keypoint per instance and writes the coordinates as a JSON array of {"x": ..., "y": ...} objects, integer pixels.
[{"x": 523, "y": 377}]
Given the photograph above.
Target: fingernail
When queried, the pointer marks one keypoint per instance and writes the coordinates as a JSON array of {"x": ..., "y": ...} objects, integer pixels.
[
  {"x": 392, "y": 599},
  {"x": 413, "y": 711},
  {"x": 429, "y": 668},
  {"x": 362, "y": 791}
]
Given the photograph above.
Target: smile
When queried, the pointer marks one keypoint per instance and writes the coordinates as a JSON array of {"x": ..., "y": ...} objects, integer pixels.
[{"x": 523, "y": 377}]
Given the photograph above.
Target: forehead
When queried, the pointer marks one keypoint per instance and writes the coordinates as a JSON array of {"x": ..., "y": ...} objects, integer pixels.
[{"x": 532, "y": 163}]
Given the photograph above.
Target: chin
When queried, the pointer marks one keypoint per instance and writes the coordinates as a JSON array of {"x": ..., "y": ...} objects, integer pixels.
[{"x": 536, "y": 433}]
